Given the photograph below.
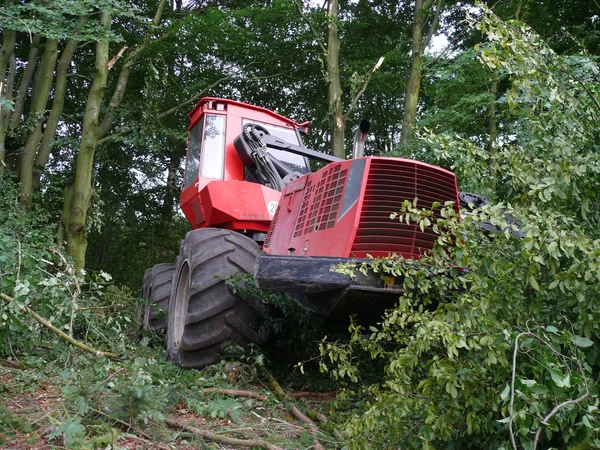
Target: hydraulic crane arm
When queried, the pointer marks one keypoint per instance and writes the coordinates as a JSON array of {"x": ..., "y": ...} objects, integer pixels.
[{"x": 252, "y": 146}]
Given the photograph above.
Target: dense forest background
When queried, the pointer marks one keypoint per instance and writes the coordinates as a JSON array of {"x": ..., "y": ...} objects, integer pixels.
[{"x": 93, "y": 129}]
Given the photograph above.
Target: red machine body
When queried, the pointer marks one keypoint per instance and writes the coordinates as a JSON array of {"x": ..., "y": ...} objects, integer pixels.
[
  {"x": 343, "y": 210},
  {"x": 247, "y": 184},
  {"x": 215, "y": 191}
]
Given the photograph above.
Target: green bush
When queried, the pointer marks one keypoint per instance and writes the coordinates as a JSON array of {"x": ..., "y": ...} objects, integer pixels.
[
  {"x": 36, "y": 274},
  {"x": 505, "y": 352}
]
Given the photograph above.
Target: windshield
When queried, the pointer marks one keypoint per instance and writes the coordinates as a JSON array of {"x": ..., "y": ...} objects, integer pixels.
[
  {"x": 193, "y": 154},
  {"x": 294, "y": 162}
]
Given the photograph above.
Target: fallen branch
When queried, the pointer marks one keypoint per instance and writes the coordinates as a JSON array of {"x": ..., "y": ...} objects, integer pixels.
[
  {"x": 149, "y": 442},
  {"x": 316, "y": 395},
  {"x": 221, "y": 439},
  {"x": 281, "y": 395},
  {"x": 313, "y": 415},
  {"x": 127, "y": 426},
  {"x": 56, "y": 331},
  {"x": 314, "y": 430},
  {"x": 12, "y": 364},
  {"x": 276, "y": 387},
  {"x": 112, "y": 376},
  {"x": 236, "y": 393}
]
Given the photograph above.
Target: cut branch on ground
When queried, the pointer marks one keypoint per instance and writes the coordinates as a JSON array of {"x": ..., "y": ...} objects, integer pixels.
[{"x": 59, "y": 333}]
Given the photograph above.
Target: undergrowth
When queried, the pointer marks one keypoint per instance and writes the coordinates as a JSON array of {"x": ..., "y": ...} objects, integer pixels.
[{"x": 56, "y": 395}]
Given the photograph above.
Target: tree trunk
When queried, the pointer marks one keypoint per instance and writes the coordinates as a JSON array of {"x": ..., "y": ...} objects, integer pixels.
[
  {"x": 15, "y": 117},
  {"x": 411, "y": 99},
  {"x": 40, "y": 98},
  {"x": 6, "y": 89},
  {"x": 336, "y": 115},
  {"x": 418, "y": 46},
  {"x": 47, "y": 143},
  {"x": 74, "y": 217},
  {"x": 7, "y": 49},
  {"x": 493, "y": 126},
  {"x": 170, "y": 197}
]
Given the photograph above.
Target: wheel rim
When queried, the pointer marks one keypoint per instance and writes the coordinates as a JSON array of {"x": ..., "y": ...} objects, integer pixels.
[{"x": 181, "y": 304}]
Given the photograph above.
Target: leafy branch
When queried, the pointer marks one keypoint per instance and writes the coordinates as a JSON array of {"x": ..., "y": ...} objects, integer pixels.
[
  {"x": 59, "y": 333},
  {"x": 557, "y": 408}
]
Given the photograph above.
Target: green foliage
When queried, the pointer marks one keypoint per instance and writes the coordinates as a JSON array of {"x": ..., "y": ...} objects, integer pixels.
[
  {"x": 59, "y": 19},
  {"x": 9, "y": 422},
  {"x": 72, "y": 432},
  {"x": 293, "y": 332},
  {"x": 216, "y": 408},
  {"x": 34, "y": 272},
  {"x": 503, "y": 353}
]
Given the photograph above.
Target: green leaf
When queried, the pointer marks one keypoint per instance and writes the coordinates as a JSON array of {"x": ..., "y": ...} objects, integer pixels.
[
  {"x": 528, "y": 383},
  {"x": 559, "y": 379},
  {"x": 451, "y": 389},
  {"x": 72, "y": 431},
  {"x": 533, "y": 282},
  {"x": 82, "y": 406},
  {"x": 539, "y": 389},
  {"x": 580, "y": 341}
]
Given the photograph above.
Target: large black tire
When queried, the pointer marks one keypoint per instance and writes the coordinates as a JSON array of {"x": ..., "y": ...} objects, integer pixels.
[
  {"x": 156, "y": 291},
  {"x": 205, "y": 315},
  {"x": 143, "y": 306}
]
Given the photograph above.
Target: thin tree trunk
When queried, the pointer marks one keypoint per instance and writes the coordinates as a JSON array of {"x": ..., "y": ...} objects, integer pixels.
[
  {"x": 7, "y": 49},
  {"x": 46, "y": 74},
  {"x": 171, "y": 190},
  {"x": 15, "y": 117},
  {"x": 7, "y": 58},
  {"x": 37, "y": 79},
  {"x": 418, "y": 46},
  {"x": 493, "y": 126},
  {"x": 518, "y": 12},
  {"x": 47, "y": 143},
  {"x": 74, "y": 219},
  {"x": 336, "y": 115},
  {"x": 12, "y": 153},
  {"x": 4, "y": 112}
]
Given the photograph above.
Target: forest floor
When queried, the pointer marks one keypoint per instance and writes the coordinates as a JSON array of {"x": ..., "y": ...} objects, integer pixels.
[{"x": 238, "y": 409}]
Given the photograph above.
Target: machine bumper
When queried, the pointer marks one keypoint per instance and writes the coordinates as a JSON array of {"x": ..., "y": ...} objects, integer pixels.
[{"x": 314, "y": 285}]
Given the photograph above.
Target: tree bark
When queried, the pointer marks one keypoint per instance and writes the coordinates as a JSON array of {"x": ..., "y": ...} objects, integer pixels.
[
  {"x": 493, "y": 126},
  {"x": 38, "y": 105},
  {"x": 15, "y": 117},
  {"x": 47, "y": 142},
  {"x": 74, "y": 218},
  {"x": 7, "y": 49},
  {"x": 336, "y": 114},
  {"x": 418, "y": 46},
  {"x": 7, "y": 58},
  {"x": 171, "y": 190}
]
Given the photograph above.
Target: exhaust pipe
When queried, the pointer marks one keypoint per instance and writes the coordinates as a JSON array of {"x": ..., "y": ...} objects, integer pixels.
[{"x": 358, "y": 146}]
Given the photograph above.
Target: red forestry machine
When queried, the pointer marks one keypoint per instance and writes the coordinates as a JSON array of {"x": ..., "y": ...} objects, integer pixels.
[{"x": 256, "y": 207}]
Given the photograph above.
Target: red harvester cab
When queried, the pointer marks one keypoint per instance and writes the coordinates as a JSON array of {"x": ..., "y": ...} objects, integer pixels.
[{"x": 217, "y": 189}]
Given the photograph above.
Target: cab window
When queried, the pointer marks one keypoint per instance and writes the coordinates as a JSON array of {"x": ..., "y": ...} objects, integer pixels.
[
  {"x": 213, "y": 147},
  {"x": 192, "y": 162},
  {"x": 206, "y": 149},
  {"x": 294, "y": 162}
]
